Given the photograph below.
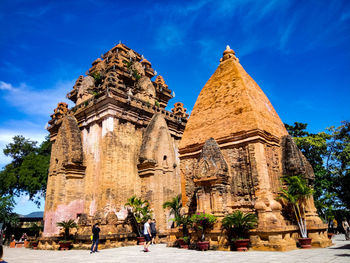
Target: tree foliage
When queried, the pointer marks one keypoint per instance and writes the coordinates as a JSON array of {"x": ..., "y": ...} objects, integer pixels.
[
  {"x": 7, "y": 217},
  {"x": 174, "y": 205},
  {"x": 28, "y": 170},
  {"x": 202, "y": 222},
  {"x": 295, "y": 194},
  {"x": 67, "y": 225},
  {"x": 140, "y": 212},
  {"x": 329, "y": 154}
]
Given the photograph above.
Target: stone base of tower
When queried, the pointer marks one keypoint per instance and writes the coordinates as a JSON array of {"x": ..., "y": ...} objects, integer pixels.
[
  {"x": 263, "y": 240},
  {"x": 287, "y": 239}
]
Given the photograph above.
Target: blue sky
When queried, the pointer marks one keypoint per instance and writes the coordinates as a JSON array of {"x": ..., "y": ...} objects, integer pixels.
[{"x": 297, "y": 51}]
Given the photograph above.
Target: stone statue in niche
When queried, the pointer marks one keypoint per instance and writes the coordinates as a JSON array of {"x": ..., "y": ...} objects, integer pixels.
[
  {"x": 211, "y": 163},
  {"x": 211, "y": 178}
]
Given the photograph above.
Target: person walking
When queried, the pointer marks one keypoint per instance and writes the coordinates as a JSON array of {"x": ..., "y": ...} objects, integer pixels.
[
  {"x": 153, "y": 231},
  {"x": 345, "y": 225},
  {"x": 335, "y": 226},
  {"x": 148, "y": 235},
  {"x": 95, "y": 238}
]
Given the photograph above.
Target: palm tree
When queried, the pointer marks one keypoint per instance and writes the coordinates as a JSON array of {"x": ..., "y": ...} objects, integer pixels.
[
  {"x": 140, "y": 212},
  {"x": 67, "y": 225},
  {"x": 175, "y": 205},
  {"x": 238, "y": 223},
  {"x": 296, "y": 194},
  {"x": 35, "y": 228},
  {"x": 185, "y": 221}
]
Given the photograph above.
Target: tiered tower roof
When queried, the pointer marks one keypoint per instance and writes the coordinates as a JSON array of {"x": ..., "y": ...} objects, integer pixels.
[{"x": 230, "y": 102}]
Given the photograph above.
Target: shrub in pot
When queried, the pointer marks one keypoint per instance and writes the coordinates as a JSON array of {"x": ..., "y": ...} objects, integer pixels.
[
  {"x": 237, "y": 226},
  {"x": 66, "y": 225},
  {"x": 201, "y": 223}
]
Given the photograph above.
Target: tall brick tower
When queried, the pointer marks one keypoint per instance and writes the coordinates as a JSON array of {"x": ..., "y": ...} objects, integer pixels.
[
  {"x": 234, "y": 151},
  {"x": 117, "y": 141}
]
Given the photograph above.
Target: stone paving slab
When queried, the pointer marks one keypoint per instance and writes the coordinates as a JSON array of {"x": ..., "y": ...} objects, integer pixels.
[{"x": 338, "y": 253}]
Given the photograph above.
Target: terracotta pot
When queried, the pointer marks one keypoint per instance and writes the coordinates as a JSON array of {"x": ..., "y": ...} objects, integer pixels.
[
  {"x": 330, "y": 235},
  {"x": 65, "y": 245},
  {"x": 19, "y": 244},
  {"x": 34, "y": 244},
  {"x": 182, "y": 243},
  {"x": 203, "y": 245},
  {"x": 140, "y": 240},
  {"x": 26, "y": 243},
  {"x": 305, "y": 242},
  {"x": 242, "y": 244}
]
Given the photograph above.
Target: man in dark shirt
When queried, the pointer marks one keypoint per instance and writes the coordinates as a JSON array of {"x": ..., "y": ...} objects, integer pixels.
[
  {"x": 95, "y": 237},
  {"x": 153, "y": 231}
]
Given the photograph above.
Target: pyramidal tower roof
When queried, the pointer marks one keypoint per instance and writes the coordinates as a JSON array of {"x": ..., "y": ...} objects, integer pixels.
[{"x": 229, "y": 103}]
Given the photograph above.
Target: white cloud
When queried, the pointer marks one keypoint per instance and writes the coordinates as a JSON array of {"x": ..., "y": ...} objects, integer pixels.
[
  {"x": 37, "y": 105},
  {"x": 36, "y": 102},
  {"x": 5, "y": 86},
  {"x": 169, "y": 36},
  {"x": 27, "y": 129}
]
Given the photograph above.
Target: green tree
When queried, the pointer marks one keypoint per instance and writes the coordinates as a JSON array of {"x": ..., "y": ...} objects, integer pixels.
[
  {"x": 27, "y": 172},
  {"x": 7, "y": 216},
  {"x": 315, "y": 147},
  {"x": 36, "y": 229},
  {"x": 140, "y": 212},
  {"x": 67, "y": 225},
  {"x": 329, "y": 154},
  {"x": 175, "y": 205},
  {"x": 296, "y": 193},
  {"x": 338, "y": 161}
]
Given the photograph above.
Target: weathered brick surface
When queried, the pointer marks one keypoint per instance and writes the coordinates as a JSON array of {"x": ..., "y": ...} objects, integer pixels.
[
  {"x": 233, "y": 125},
  {"x": 101, "y": 147}
]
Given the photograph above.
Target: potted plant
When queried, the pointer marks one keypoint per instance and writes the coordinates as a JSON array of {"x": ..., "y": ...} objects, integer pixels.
[
  {"x": 179, "y": 220},
  {"x": 185, "y": 222},
  {"x": 66, "y": 225},
  {"x": 202, "y": 222},
  {"x": 139, "y": 213},
  {"x": 184, "y": 241},
  {"x": 295, "y": 195},
  {"x": 237, "y": 226},
  {"x": 35, "y": 229}
]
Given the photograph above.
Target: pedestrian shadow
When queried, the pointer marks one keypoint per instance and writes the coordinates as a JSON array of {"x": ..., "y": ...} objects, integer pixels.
[
  {"x": 343, "y": 255},
  {"x": 347, "y": 246}
]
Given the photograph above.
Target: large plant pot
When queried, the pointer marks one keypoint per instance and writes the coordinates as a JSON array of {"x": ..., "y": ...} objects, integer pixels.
[
  {"x": 203, "y": 245},
  {"x": 34, "y": 244},
  {"x": 140, "y": 240},
  {"x": 330, "y": 235},
  {"x": 305, "y": 242},
  {"x": 242, "y": 244},
  {"x": 65, "y": 245},
  {"x": 182, "y": 243}
]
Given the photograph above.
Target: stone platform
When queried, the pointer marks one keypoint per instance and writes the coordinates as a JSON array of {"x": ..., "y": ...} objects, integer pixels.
[{"x": 339, "y": 252}]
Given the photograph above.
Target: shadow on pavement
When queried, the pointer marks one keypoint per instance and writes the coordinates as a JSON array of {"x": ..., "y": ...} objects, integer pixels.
[
  {"x": 347, "y": 246},
  {"x": 343, "y": 255}
]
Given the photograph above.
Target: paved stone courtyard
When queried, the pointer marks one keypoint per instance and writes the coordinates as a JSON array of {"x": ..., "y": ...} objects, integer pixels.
[{"x": 339, "y": 252}]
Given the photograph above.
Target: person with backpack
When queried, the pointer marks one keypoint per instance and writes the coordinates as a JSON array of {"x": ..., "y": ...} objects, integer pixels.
[{"x": 153, "y": 231}]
